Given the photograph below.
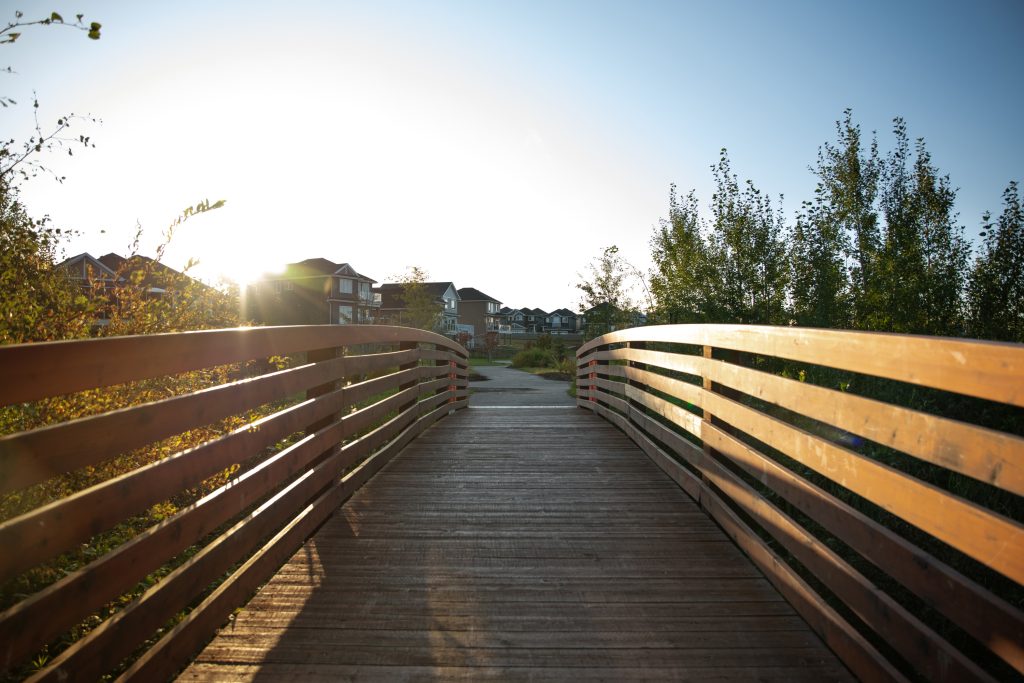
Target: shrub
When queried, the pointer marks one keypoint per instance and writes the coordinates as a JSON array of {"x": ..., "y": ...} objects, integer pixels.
[{"x": 533, "y": 358}]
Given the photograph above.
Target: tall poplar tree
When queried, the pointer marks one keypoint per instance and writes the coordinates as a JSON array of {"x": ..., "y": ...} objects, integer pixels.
[
  {"x": 995, "y": 291},
  {"x": 923, "y": 261},
  {"x": 835, "y": 244},
  {"x": 747, "y": 250},
  {"x": 684, "y": 281}
]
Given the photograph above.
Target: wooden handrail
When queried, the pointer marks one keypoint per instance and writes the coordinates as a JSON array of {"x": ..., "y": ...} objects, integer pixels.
[
  {"x": 306, "y": 436},
  {"x": 864, "y": 495}
]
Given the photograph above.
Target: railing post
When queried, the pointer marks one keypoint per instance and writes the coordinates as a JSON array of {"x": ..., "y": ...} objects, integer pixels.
[
  {"x": 592, "y": 376},
  {"x": 452, "y": 377},
  {"x": 708, "y": 353},
  {"x": 406, "y": 346},
  {"x": 315, "y": 356},
  {"x": 634, "y": 364}
]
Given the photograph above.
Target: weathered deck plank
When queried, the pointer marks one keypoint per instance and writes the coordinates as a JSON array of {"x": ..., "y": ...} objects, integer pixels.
[{"x": 522, "y": 544}]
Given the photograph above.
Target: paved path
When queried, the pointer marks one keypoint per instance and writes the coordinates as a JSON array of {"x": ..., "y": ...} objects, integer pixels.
[{"x": 515, "y": 388}]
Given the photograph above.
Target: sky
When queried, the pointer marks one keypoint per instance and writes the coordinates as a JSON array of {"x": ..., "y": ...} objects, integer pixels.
[{"x": 497, "y": 145}]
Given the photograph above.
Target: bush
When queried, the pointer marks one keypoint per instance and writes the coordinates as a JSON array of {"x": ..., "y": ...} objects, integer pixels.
[{"x": 533, "y": 358}]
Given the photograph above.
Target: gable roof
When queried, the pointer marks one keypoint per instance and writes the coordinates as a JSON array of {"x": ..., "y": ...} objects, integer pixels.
[
  {"x": 84, "y": 265},
  {"x": 562, "y": 311},
  {"x": 473, "y": 294},
  {"x": 348, "y": 271},
  {"x": 391, "y": 292},
  {"x": 316, "y": 267}
]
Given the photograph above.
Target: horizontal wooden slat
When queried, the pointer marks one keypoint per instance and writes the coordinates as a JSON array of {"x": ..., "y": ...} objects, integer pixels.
[
  {"x": 48, "y": 613},
  {"x": 918, "y": 644},
  {"x": 52, "y": 529},
  {"x": 34, "y": 371},
  {"x": 863, "y": 660},
  {"x": 989, "y": 370},
  {"x": 104, "y": 647},
  {"x": 30, "y": 457},
  {"x": 970, "y": 528},
  {"x": 973, "y": 608},
  {"x": 178, "y": 646},
  {"x": 990, "y": 456},
  {"x": 113, "y": 642}
]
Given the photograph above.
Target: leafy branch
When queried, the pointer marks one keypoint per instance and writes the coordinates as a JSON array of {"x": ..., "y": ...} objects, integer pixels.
[
  {"x": 11, "y": 159},
  {"x": 9, "y": 35}
]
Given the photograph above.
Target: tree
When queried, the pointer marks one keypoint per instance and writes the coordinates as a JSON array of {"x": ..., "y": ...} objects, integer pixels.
[
  {"x": 22, "y": 159},
  {"x": 37, "y": 301},
  {"x": 604, "y": 293},
  {"x": 995, "y": 290},
  {"x": 491, "y": 343},
  {"x": 683, "y": 283},
  {"x": 835, "y": 243},
  {"x": 422, "y": 309},
  {"x": 923, "y": 260},
  {"x": 747, "y": 252}
]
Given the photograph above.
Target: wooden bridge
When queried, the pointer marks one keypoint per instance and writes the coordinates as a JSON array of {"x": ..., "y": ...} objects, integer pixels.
[{"x": 732, "y": 503}]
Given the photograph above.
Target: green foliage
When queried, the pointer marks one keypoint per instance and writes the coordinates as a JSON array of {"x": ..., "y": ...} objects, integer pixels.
[
  {"x": 747, "y": 250},
  {"x": 604, "y": 293},
  {"x": 995, "y": 291},
  {"x": 422, "y": 309},
  {"x": 877, "y": 248},
  {"x": 734, "y": 270},
  {"x": 839, "y": 227},
  {"x": 37, "y": 302},
  {"x": 23, "y": 159},
  {"x": 681, "y": 282},
  {"x": 533, "y": 358},
  {"x": 923, "y": 260}
]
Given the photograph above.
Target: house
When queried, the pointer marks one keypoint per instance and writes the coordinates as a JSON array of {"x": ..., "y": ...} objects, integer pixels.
[
  {"x": 534, "y": 320},
  {"x": 562, "y": 321},
  {"x": 394, "y": 310},
  {"x": 479, "y": 311},
  {"x": 311, "y": 292},
  {"x": 505, "y": 322},
  {"x": 89, "y": 272},
  {"x": 101, "y": 278}
]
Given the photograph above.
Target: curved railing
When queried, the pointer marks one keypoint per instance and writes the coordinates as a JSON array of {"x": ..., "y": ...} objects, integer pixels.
[
  {"x": 847, "y": 466},
  {"x": 297, "y": 435}
]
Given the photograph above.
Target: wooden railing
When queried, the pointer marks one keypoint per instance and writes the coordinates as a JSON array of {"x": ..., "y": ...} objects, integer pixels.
[
  {"x": 302, "y": 439},
  {"x": 896, "y": 532}
]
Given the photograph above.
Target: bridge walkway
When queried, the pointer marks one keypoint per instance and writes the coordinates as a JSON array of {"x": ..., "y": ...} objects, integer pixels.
[{"x": 518, "y": 542}]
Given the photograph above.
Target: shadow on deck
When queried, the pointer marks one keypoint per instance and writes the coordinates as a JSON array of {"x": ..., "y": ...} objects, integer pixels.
[{"x": 511, "y": 544}]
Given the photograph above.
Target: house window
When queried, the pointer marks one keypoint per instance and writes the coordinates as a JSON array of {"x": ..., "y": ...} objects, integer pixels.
[
  {"x": 492, "y": 307},
  {"x": 344, "y": 285},
  {"x": 344, "y": 315},
  {"x": 364, "y": 291}
]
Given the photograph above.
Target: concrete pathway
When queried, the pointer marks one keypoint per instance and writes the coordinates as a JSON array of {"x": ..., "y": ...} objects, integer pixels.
[{"x": 517, "y": 389}]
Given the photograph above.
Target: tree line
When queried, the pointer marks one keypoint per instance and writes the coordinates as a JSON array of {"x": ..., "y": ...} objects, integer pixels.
[{"x": 878, "y": 247}]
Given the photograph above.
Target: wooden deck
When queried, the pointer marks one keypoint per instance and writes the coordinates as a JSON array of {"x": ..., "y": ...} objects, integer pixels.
[{"x": 518, "y": 544}]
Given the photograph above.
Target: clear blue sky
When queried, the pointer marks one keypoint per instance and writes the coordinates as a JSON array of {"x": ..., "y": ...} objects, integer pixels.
[{"x": 497, "y": 145}]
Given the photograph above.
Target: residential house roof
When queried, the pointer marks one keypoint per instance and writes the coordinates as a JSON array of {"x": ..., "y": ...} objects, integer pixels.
[
  {"x": 473, "y": 294},
  {"x": 85, "y": 265},
  {"x": 313, "y": 267},
  {"x": 391, "y": 292}
]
